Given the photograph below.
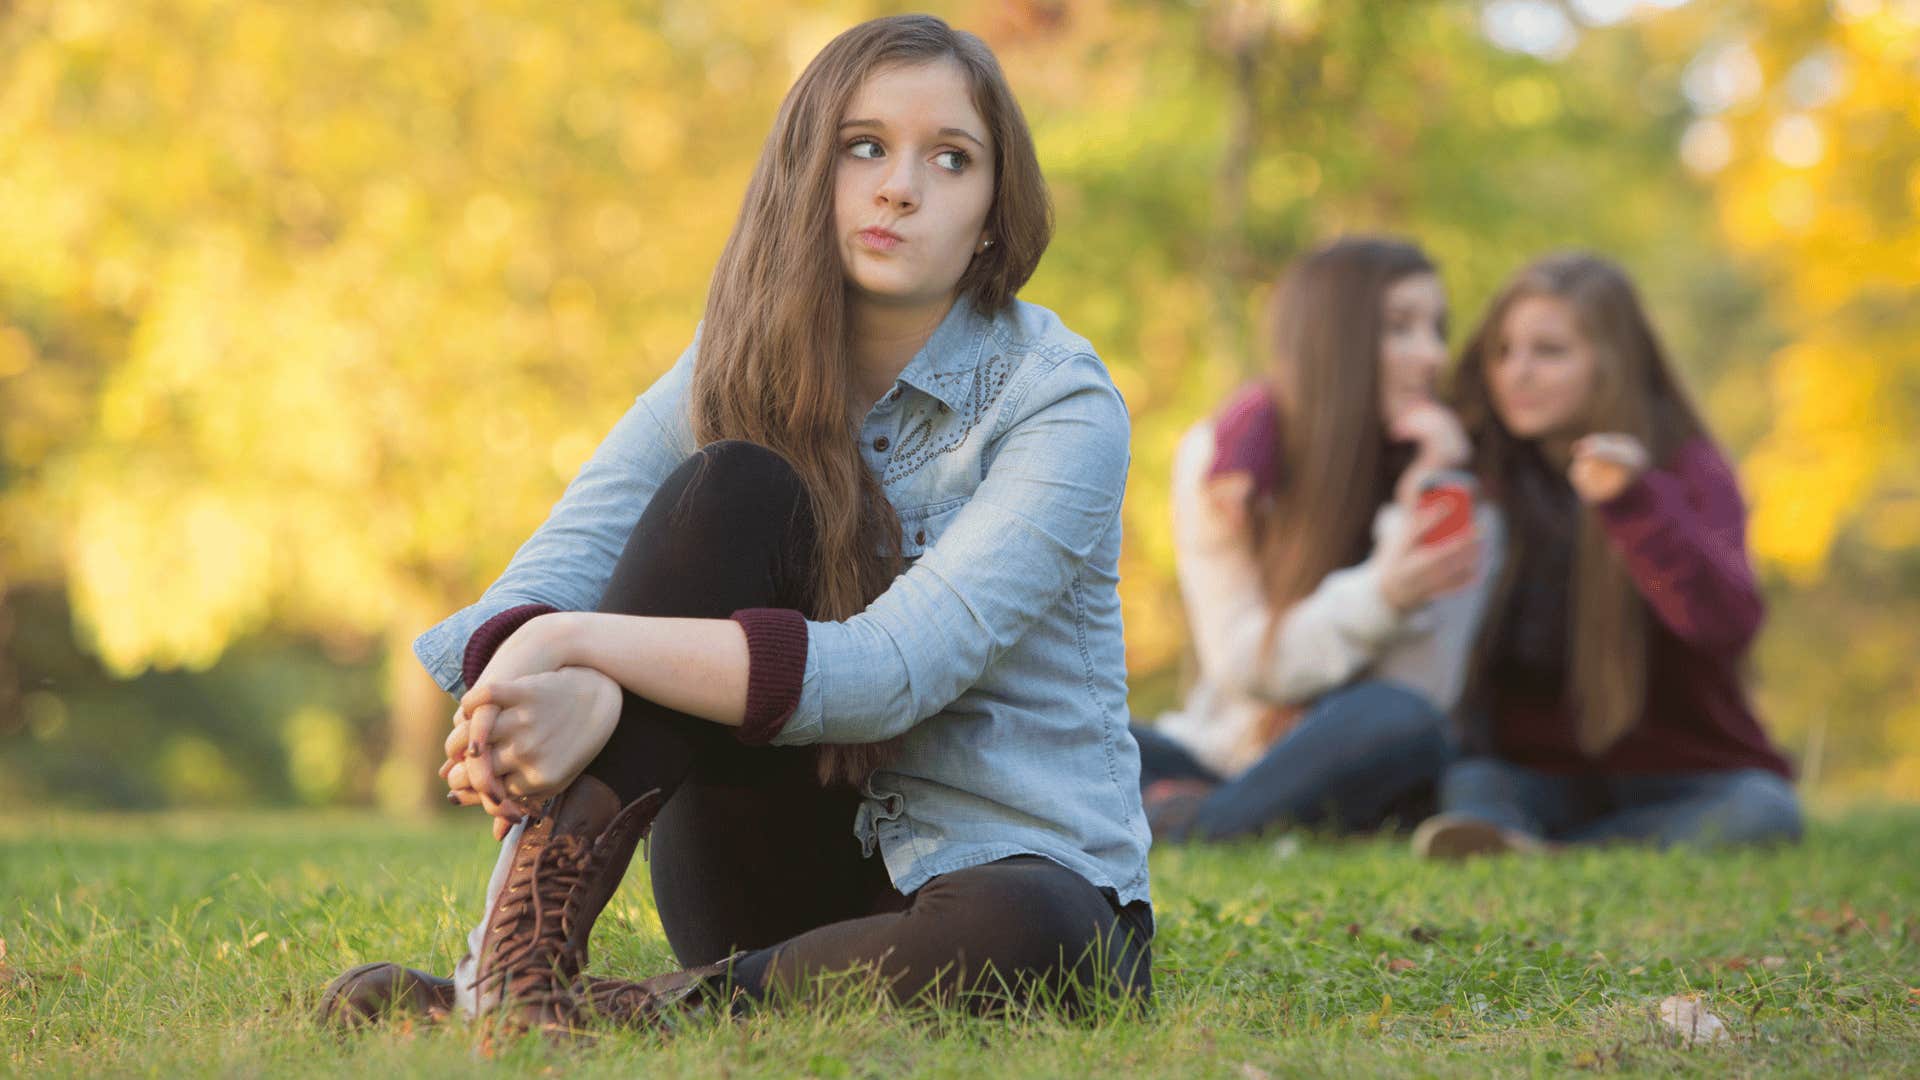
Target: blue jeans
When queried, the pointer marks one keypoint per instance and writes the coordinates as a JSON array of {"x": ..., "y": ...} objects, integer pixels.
[
  {"x": 1735, "y": 806},
  {"x": 1359, "y": 754}
]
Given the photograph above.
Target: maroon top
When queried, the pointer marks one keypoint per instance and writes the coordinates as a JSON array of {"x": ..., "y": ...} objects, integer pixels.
[
  {"x": 1681, "y": 531},
  {"x": 1245, "y": 434}
]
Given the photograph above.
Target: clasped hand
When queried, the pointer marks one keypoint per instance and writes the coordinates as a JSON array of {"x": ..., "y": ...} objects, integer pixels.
[
  {"x": 527, "y": 728},
  {"x": 1605, "y": 464}
]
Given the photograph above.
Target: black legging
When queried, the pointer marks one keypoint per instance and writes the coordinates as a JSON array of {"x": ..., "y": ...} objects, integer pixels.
[{"x": 751, "y": 852}]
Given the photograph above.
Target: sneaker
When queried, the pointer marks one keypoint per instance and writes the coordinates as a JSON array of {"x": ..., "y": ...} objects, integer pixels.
[
  {"x": 1456, "y": 836},
  {"x": 1172, "y": 806}
]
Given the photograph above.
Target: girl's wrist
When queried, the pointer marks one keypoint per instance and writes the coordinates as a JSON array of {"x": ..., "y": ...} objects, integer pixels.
[{"x": 555, "y": 636}]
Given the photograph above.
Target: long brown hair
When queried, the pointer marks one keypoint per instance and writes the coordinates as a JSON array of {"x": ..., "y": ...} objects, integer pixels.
[
  {"x": 1635, "y": 393},
  {"x": 1334, "y": 463},
  {"x": 774, "y": 364}
]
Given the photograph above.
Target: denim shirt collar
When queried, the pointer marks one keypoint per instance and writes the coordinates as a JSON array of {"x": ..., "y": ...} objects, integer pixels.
[{"x": 944, "y": 366}]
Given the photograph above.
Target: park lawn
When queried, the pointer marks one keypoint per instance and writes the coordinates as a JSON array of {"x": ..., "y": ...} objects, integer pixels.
[{"x": 196, "y": 944}]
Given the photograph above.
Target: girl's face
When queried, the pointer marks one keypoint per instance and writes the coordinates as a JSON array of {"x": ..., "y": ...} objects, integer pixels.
[
  {"x": 913, "y": 185},
  {"x": 1542, "y": 370},
  {"x": 1413, "y": 343}
]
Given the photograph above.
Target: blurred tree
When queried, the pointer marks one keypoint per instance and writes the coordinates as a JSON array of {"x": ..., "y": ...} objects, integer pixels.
[
  {"x": 1193, "y": 151},
  {"x": 1808, "y": 130},
  {"x": 308, "y": 312}
]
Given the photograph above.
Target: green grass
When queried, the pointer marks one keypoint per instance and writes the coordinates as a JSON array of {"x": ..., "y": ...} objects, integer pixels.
[{"x": 197, "y": 944}]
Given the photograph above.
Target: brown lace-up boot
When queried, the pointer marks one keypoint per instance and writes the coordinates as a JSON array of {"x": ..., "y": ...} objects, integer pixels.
[
  {"x": 650, "y": 1003},
  {"x": 556, "y": 871},
  {"x": 369, "y": 992},
  {"x": 570, "y": 858}
]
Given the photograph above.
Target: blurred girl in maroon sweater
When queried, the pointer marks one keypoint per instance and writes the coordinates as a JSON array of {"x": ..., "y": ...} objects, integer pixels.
[{"x": 1606, "y": 700}]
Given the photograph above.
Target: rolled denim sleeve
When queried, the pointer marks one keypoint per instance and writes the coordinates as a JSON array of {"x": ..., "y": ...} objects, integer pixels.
[
  {"x": 568, "y": 560},
  {"x": 1050, "y": 495}
]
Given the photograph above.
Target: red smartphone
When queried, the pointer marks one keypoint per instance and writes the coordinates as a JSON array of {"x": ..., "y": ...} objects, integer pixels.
[{"x": 1453, "y": 489}]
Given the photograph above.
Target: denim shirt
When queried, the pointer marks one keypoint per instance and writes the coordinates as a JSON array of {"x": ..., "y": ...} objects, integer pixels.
[{"x": 1003, "y": 447}]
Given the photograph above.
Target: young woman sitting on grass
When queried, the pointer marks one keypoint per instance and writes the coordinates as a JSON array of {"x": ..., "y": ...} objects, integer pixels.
[
  {"x": 1331, "y": 639},
  {"x": 832, "y": 614},
  {"x": 1607, "y": 689}
]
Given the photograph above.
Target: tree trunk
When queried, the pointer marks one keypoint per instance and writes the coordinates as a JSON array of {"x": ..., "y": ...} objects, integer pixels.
[
  {"x": 417, "y": 719},
  {"x": 1242, "y": 39}
]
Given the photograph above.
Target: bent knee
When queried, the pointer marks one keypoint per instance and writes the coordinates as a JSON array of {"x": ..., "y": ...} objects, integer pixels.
[
  {"x": 1387, "y": 713},
  {"x": 1760, "y": 808},
  {"x": 731, "y": 478}
]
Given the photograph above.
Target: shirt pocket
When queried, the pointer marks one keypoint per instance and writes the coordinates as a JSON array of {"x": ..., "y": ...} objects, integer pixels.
[{"x": 922, "y": 527}]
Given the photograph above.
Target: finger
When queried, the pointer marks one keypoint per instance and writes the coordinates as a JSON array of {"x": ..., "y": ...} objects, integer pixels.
[
  {"x": 1597, "y": 440},
  {"x": 479, "y": 757},
  {"x": 1621, "y": 449},
  {"x": 494, "y": 807},
  {"x": 480, "y": 730},
  {"x": 1426, "y": 517},
  {"x": 509, "y": 809},
  {"x": 1606, "y": 453},
  {"x": 1410, "y": 423},
  {"x": 500, "y": 828},
  {"x": 1227, "y": 493},
  {"x": 475, "y": 697},
  {"x": 506, "y": 806},
  {"x": 503, "y": 694},
  {"x": 456, "y": 742}
]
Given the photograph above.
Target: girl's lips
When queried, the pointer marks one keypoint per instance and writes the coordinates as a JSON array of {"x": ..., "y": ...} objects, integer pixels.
[{"x": 878, "y": 239}]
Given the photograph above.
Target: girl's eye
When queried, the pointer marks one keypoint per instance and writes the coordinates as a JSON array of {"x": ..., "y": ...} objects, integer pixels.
[
  {"x": 952, "y": 160},
  {"x": 865, "y": 148}
]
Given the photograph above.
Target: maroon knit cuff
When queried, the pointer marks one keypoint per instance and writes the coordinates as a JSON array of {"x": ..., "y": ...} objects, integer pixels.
[
  {"x": 492, "y": 634},
  {"x": 776, "y": 665}
]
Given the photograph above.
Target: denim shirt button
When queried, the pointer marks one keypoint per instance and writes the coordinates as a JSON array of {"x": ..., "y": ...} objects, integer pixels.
[{"x": 881, "y": 444}]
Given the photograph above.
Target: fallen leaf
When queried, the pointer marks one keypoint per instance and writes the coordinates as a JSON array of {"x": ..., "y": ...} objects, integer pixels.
[
  {"x": 1773, "y": 963},
  {"x": 1353, "y": 929},
  {"x": 1423, "y": 935},
  {"x": 1250, "y": 1071},
  {"x": 1399, "y": 964},
  {"x": 1684, "y": 1014}
]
